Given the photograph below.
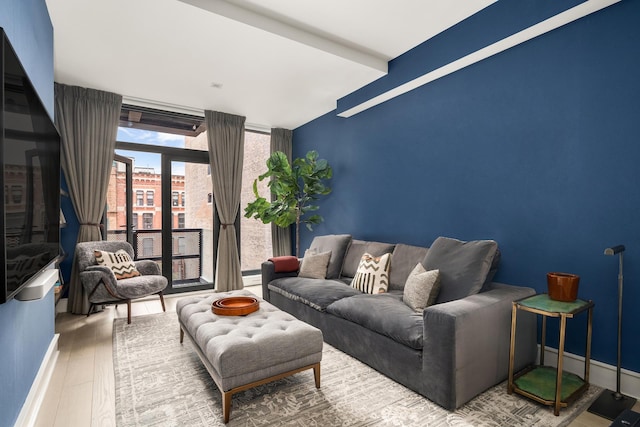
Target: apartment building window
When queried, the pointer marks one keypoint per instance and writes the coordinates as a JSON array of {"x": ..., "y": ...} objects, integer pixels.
[
  {"x": 16, "y": 194},
  {"x": 139, "y": 198},
  {"x": 174, "y": 198},
  {"x": 134, "y": 221},
  {"x": 209, "y": 198},
  {"x": 147, "y": 221},
  {"x": 182, "y": 245},
  {"x": 180, "y": 220},
  {"x": 182, "y": 199},
  {"x": 147, "y": 247},
  {"x": 149, "y": 198}
]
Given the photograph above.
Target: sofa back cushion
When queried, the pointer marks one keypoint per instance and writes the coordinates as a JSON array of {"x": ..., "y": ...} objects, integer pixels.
[
  {"x": 359, "y": 248},
  {"x": 463, "y": 266},
  {"x": 338, "y": 245},
  {"x": 403, "y": 261}
]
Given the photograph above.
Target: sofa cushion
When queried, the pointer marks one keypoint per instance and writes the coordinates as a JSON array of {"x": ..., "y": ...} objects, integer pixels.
[
  {"x": 403, "y": 261},
  {"x": 372, "y": 276},
  {"x": 315, "y": 293},
  {"x": 314, "y": 265},
  {"x": 385, "y": 314},
  {"x": 463, "y": 265},
  {"x": 422, "y": 288},
  {"x": 338, "y": 245},
  {"x": 359, "y": 248}
]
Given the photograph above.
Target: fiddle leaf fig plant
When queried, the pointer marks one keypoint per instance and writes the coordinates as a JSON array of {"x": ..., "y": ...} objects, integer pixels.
[{"x": 295, "y": 188}]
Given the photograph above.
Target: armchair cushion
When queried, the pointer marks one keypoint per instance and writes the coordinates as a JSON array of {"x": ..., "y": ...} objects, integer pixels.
[
  {"x": 141, "y": 286},
  {"x": 120, "y": 262}
]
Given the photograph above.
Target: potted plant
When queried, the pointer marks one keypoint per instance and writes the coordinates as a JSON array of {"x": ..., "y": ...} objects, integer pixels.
[{"x": 295, "y": 188}]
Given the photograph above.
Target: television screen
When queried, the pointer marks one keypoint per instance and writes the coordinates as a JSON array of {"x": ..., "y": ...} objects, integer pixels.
[{"x": 30, "y": 179}]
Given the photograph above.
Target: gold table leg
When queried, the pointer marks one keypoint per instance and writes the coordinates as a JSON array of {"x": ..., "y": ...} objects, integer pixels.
[
  {"x": 512, "y": 348},
  {"x": 563, "y": 325}
]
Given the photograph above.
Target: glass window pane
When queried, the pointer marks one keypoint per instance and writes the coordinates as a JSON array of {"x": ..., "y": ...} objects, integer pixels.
[{"x": 255, "y": 237}]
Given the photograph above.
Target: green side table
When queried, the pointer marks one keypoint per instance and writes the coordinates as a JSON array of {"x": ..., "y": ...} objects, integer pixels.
[{"x": 544, "y": 384}]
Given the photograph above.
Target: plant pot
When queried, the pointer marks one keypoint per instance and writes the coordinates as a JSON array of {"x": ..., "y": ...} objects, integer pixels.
[{"x": 563, "y": 286}]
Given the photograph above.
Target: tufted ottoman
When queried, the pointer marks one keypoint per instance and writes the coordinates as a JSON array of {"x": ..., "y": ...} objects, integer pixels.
[{"x": 241, "y": 352}]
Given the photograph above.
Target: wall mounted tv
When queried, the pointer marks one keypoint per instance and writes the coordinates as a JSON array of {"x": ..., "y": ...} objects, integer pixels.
[{"x": 30, "y": 190}]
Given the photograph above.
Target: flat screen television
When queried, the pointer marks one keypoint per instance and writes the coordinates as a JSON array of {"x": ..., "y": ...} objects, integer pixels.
[{"x": 30, "y": 190}]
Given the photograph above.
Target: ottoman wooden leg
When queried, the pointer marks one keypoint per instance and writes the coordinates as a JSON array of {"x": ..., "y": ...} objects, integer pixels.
[
  {"x": 226, "y": 405},
  {"x": 316, "y": 374}
]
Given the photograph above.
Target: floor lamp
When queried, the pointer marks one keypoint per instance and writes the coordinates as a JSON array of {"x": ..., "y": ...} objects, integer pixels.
[{"x": 611, "y": 403}]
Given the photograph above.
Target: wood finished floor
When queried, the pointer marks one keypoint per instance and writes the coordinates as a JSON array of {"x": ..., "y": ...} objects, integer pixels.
[{"x": 82, "y": 391}]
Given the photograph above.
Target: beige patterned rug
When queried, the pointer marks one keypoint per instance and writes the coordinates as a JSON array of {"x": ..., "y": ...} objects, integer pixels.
[{"x": 160, "y": 382}]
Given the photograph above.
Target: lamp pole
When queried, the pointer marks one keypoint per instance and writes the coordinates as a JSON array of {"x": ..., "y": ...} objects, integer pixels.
[{"x": 610, "y": 404}]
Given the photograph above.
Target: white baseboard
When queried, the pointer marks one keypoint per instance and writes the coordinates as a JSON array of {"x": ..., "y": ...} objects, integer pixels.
[
  {"x": 31, "y": 407},
  {"x": 600, "y": 374}
]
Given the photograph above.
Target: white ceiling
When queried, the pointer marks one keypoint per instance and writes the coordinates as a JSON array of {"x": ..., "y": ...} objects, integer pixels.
[{"x": 280, "y": 63}]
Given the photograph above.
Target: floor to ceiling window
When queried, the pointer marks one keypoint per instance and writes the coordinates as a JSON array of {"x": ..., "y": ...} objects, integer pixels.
[{"x": 167, "y": 209}]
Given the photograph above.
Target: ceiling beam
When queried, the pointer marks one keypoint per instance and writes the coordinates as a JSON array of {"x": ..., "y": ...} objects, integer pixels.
[
  {"x": 559, "y": 20},
  {"x": 291, "y": 32}
]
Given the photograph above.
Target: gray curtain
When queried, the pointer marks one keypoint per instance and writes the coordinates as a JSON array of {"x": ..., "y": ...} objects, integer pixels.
[
  {"x": 87, "y": 120},
  {"x": 225, "y": 134},
  {"x": 281, "y": 237}
]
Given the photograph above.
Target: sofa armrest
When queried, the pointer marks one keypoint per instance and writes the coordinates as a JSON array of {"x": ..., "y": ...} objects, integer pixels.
[
  {"x": 269, "y": 274},
  {"x": 466, "y": 343}
]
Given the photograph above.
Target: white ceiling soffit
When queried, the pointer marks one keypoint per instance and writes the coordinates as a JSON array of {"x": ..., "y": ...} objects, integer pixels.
[
  {"x": 280, "y": 63},
  {"x": 291, "y": 32},
  {"x": 570, "y": 15}
]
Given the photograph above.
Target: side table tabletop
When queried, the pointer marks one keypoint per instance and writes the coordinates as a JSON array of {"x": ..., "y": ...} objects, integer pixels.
[{"x": 545, "y": 384}]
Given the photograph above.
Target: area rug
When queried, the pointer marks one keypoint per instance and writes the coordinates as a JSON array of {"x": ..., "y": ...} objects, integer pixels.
[{"x": 160, "y": 382}]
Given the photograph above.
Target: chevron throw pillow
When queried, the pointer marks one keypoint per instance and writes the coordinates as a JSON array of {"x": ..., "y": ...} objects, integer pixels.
[
  {"x": 372, "y": 276},
  {"x": 120, "y": 263}
]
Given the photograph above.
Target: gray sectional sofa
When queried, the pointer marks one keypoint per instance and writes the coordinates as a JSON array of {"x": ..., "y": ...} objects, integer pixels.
[{"x": 450, "y": 352}]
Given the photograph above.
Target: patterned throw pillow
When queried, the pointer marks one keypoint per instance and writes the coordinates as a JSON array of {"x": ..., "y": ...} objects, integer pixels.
[
  {"x": 372, "y": 276},
  {"x": 314, "y": 265},
  {"x": 120, "y": 263},
  {"x": 421, "y": 288}
]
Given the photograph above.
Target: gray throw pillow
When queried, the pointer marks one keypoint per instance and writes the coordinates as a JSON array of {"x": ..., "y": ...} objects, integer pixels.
[
  {"x": 337, "y": 244},
  {"x": 421, "y": 288},
  {"x": 314, "y": 265},
  {"x": 463, "y": 265}
]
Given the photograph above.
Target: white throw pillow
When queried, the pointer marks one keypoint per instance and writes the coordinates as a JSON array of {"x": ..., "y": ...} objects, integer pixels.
[
  {"x": 421, "y": 288},
  {"x": 314, "y": 265},
  {"x": 120, "y": 263},
  {"x": 372, "y": 275}
]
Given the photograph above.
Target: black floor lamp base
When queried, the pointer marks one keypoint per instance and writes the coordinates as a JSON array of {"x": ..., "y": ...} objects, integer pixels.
[{"x": 610, "y": 404}]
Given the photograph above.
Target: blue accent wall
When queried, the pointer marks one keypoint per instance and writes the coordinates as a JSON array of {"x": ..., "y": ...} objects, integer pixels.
[
  {"x": 26, "y": 328},
  {"x": 537, "y": 147}
]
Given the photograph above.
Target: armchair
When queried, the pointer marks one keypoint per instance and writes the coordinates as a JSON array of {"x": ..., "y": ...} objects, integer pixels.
[{"x": 101, "y": 285}]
